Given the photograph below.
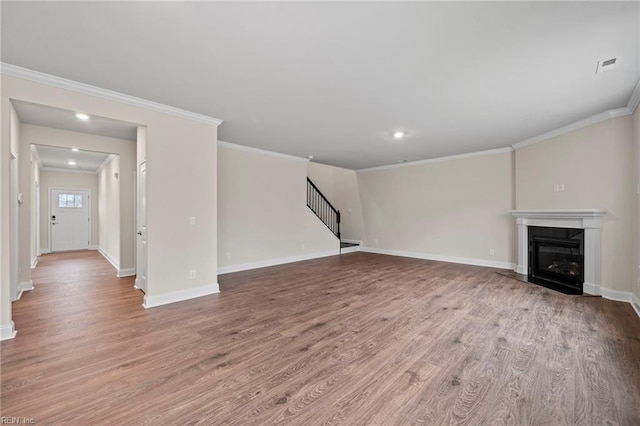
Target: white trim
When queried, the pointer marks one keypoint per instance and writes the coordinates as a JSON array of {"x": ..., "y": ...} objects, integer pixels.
[
  {"x": 451, "y": 259},
  {"x": 635, "y": 303},
  {"x": 35, "y": 155},
  {"x": 106, "y": 161},
  {"x": 353, "y": 249},
  {"x": 111, "y": 260},
  {"x": 583, "y": 214},
  {"x": 617, "y": 295},
  {"x": 179, "y": 296},
  {"x": 86, "y": 89},
  {"x": 64, "y": 170},
  {"x": 238, "y": 147},
  {"x": 274, "y": 262},
  {"x": 34, "y": 262},
  {"x": 588, "y": 288},
  {"x": 128, "y": 272},
  {"x": 43, "y": 251},
  {"x": 612, "y": 113},
  {"x": 438, "y": 159},
  {"x": 8, "y": 331},
  {"x": 634, "y": 100},
  {"x": 93, "y": 247},
  {"x": 24, "y": 286},
  {"x": 135, "y": 283}
]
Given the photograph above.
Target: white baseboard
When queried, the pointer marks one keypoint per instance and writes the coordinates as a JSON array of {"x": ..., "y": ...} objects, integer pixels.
[
  {"x": 111, "y": 260},
  {"x": 24, "y": 286},
  {"x": 635, "y": 303},
  {"x": 94, "y": 248},
  {"x": 451, "y": 259},
  {"x": 8, "y": 331},
  {"x": 34, "y": 262},
  {"x": 179, "y": 296},
  {"x": 274, "y": 262},
  {"x": 128, "y": 272},
  {"x": 619, "y": 296},
  {"x": 353, "y": 249},
  {"x": 43, "y": 251},
  {"x": 135, "y": 284},
  {"x": 592, "y": 289}
]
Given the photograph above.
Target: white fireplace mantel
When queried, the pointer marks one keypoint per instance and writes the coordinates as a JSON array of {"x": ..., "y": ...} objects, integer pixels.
[{"x": 588, "y": 219}]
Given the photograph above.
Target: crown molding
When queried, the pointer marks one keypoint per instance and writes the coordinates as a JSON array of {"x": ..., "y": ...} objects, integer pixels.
[
  {"x": 35, "y": 155},
  {"x": 612, "y": 113},
  {"x": 438, "y": 159},
  {"x": 238, "y": 147},
  {"x": 86, "y": 89},
  {"x": 63, "y": 170},
  {"x": 634, "y": 100}
]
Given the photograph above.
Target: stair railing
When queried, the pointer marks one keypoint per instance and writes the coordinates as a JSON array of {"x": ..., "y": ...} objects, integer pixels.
[{"x": 322, "y": 208}]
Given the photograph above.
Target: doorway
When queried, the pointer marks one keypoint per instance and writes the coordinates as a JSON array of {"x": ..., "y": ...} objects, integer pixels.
[{"x": 70, "y": 219}]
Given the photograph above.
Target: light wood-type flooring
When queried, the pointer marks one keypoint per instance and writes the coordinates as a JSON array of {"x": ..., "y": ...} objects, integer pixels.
[{"x": 357, "y": 339}]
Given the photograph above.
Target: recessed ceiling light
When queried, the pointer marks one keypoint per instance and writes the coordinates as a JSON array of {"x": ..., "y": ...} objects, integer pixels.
[
  {"x": 72, "y": 163},
  {"x": 398, "y": 135},
  {"x": 75, "y": 149},
  {"x": 82, "y": 116}
]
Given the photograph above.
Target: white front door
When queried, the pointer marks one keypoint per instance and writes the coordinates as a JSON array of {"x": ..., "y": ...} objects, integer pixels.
[
  {"x": 141, "y": 267},
  {"x": 69, "y": 219}
]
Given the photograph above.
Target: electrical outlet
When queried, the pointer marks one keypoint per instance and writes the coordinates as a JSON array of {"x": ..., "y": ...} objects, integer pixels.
[
  {"x": 558, "y": 187},
  {"x": 303, "y": 246},
  {"x": 192, "y": 274},
  {"x": 192, "y": 220},
  {"x": 227, "y": 256},
  {"x": 375, "y": 241},
  {"x": 492, "y": 252}
]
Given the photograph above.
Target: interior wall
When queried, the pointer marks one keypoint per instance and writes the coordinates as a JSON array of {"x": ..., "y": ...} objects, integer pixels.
[
  {"x": 109, "y": 211},
  {"x": 126, "y": 151},
  {"x": 452, "y": 208},
  {"x": 636, "y": 191},
  {"x": 340, "y": 186},
  {"x": 262, "y": 210},
  {"x": 595, "y": 166},
  {"x": 57, "y": 179},
  {"x": 35, "y": 214},
  {"x": 181, "y": 156}
]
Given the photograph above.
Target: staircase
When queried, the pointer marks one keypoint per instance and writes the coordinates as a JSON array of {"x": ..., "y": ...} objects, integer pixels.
[{"x": 322, "y": 208}]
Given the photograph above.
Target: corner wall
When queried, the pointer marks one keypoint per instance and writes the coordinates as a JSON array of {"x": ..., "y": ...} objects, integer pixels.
[
  {"x": 454, "y": 209},
  {"x": 263, "y": 218},
  {"x": 595, "y": 166},
  {"x": 636, "y": 205},
  {"x": 109, "y": 212}
]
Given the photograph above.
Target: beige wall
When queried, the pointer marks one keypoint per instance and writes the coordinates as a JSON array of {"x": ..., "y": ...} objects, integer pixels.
[
  {"x": 109, "y": 210},
  {"x": 455, "y": 208},
  {"x": 35, "y": 214},
  {"x": 340, "y": 186},
  {"x": 56, "y": 179},
  {"x": 262, "y": 210},
  {"x": 181, "y": 161},
  {"x": 636, "y": 196},
  {"x": 595, "y": 166}
]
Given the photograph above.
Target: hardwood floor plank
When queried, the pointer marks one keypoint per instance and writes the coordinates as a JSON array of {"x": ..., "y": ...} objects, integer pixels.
[{"x": 353, "y": 339}]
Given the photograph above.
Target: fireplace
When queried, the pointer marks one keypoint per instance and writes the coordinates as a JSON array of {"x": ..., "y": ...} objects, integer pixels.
[
  {"x": 556, "y": 258},
  {"x": 589, "y": 221}
]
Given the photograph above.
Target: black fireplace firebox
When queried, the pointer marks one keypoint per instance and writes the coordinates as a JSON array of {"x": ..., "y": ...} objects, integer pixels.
[{"x": 556, "y": 258}]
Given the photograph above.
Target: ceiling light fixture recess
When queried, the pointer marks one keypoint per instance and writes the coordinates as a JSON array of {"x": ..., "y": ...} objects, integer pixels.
[
  {"x": 82, "y": 116},
  {"x": 72, "y": 163},
  {"x": 398, "y": 135},
  {"x": 75, "y": 149}
]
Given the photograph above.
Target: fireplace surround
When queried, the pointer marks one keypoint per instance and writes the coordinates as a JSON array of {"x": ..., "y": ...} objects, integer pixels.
[{"x": 588, "y": 220}]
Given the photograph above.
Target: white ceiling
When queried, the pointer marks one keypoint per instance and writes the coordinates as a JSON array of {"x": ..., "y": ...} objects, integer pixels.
[
  {"x": 334, "y": 80},
  {"x": 57, "y": 118},
  {"x": 52, "y": 157}
]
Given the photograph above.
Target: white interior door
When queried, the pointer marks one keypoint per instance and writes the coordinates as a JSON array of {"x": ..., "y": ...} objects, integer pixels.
[
  {"x": 141, "y": 266},
  {"x": 69, "y": 219}
]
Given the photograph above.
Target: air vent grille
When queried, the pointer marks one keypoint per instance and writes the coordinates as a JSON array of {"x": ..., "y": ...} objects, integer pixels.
[{"x": 607, "y": 65}]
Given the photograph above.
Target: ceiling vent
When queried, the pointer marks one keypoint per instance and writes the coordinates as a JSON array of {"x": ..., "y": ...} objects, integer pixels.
[{"x": 607, "y": 65}]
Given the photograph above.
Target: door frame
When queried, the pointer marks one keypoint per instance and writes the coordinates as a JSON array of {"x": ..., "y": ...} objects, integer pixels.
[
  {"x": 14, "y": 212},
  {"x": 137, "y": 283},
  {"x": 89, "y": 222}
]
